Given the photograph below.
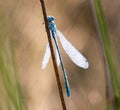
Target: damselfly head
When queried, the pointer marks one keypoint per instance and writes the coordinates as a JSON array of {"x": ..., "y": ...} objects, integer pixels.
[{"x": 50, "y": 18}]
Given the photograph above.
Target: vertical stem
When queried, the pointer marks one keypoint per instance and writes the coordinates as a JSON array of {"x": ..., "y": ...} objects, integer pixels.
[
  {"x": 109, "y": 92},
  {"x": 53, "y": 56}
]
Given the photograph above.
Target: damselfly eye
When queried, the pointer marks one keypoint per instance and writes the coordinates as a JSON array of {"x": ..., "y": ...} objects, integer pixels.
[{"x": 50, "y": 18}]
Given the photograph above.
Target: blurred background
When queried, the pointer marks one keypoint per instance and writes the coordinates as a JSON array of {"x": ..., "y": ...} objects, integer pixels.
[{"x": 22, "y": 24}]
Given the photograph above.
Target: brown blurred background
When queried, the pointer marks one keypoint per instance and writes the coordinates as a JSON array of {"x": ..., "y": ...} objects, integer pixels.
[{"x": 24, "y": 24}]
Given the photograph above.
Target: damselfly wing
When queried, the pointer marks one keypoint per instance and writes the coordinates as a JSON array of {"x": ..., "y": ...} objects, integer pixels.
[
  {"x": 47, "y": 57},
  {"x": 71, "y": 51}
]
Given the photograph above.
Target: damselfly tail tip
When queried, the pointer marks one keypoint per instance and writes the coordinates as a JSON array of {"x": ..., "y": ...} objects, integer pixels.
[
  {"x": 68, "y": 93},
  {"x": 69, "y": 96}
]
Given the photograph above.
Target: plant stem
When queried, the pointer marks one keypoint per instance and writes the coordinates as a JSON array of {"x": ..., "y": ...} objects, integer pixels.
[{"x": 53, "y": 56}]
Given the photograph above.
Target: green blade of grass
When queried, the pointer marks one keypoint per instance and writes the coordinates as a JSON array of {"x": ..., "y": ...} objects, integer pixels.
[
  {"x": 108, "y": 51},
  {"x": 12, "y": 98}
]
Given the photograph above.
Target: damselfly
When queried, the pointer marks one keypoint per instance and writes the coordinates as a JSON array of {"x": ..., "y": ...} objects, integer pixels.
[{"x": 71, "y": 51}]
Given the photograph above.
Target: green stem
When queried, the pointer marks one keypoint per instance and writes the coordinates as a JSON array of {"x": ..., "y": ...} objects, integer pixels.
[{"x": 108, "y": 52}]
